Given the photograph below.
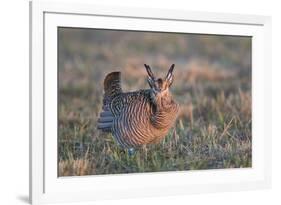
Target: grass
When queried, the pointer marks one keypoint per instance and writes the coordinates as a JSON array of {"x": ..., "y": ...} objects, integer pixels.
[{"x": 212, "y": 85}]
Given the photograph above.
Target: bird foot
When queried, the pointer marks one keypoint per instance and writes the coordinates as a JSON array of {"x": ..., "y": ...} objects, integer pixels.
[{"x": 131, "y": 151}]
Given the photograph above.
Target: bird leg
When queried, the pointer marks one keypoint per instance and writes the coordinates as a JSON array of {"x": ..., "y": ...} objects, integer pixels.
[{"x": 131, "y": 151}]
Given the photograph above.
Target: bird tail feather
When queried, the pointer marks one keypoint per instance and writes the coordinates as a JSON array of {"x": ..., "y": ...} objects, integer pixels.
[{"x": 112, "y": 87}]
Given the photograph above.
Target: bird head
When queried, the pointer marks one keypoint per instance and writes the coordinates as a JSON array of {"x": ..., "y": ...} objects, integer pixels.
[{"x": 160, "y": 86}]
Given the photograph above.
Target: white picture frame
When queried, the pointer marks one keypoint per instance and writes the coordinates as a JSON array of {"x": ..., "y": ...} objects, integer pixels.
[{"x": 46, "y": 187}]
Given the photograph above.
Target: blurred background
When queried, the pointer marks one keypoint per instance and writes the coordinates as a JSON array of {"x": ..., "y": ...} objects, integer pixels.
[{"x": 212, "y": 85}]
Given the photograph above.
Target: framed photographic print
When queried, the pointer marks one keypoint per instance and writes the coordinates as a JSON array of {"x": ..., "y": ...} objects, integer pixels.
[{"x": 130, "y": 102}]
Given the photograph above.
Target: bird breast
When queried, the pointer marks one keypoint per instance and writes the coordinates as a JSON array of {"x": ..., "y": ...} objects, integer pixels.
[{"x": 142, "y": 123}]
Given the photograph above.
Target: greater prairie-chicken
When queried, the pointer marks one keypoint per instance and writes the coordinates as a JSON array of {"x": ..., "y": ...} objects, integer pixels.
[{"x": 141, "y": 117}]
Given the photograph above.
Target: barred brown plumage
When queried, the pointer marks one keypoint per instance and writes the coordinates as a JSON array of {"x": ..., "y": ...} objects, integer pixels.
[{"x": 141, "y": 117}]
